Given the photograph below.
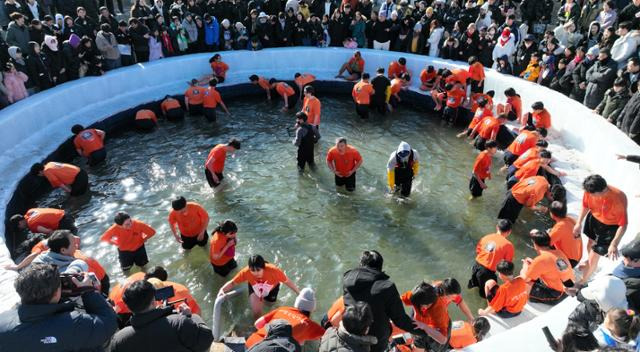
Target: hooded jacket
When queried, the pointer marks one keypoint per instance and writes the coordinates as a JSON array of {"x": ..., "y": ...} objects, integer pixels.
[
  {"x": 211, "y": 32},
  {"x": 624, "y": 47},
  {"x": 279, "y": 339},
  {"x": 400, "y": 171},
  {"x": 15, "y": 85},
  {"x": 587, "y": 315},
  {"x": 340, "y": 340},
  {"x": 613, "y": 103},
  {"x": 65, "y": 264}
]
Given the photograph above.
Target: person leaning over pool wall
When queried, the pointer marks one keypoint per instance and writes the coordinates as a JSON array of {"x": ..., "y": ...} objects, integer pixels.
[
  {"x": 214, "y": 165},
  {"x": 361, "y": 94},
  {"x": 89, "y": 143},
  {"x": 193, "y": 98},
  {"x": 402, "y": 167},
  {"x": 70, "y": 178},
  {"x": 343, "y": 160},
  {"x": 171, "y": 109},
  {"x": 527, "y": 192},
  {"x": 210, "y": 100}
]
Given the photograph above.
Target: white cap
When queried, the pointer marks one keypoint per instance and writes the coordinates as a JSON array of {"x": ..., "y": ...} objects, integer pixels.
[
  {"x": 262, "y": 14},
  {"x": 306, "y": 300},
  {"x": 608, "y": 291}
]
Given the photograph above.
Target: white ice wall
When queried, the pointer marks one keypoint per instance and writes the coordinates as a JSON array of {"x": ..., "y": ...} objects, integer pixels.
[{"x": 35, "y": 127}]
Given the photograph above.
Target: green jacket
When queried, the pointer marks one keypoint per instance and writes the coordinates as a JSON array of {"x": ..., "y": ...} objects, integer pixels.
[{"x": 613, "y": 103}]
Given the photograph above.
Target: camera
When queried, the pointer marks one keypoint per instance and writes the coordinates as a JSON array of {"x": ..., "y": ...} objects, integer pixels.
[{"x": 69, "y": 289}]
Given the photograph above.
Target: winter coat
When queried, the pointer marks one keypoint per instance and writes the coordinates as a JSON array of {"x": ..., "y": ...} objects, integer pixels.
[
  {"x": 532, "y": 10},
  {"x": 108, "y": 45},
  {"x": 18, "y": 36},
  {"x": 629, "y": 118},
  {"x": 279, "y": 339},
  {"x": 434, "y": 41},
  {"x": 14, "y": 82},
  {"x": 607, "y": 19},
  {"x": 507, "y": 49},
  {"x": 613, "y": 103},
  {"x": 357, "y": 32},
  {"x": 85, "y": 26},
  {"x": 579, "y": 75},
  {"x": 65, "y": 263},
  {"x": 523, "y": 56},
  {"x": 589, "y": 39},
  {"x": 155, "y": 48},
  {"x": 71, "y": 60},
  {"x": 565, "y": 38},
  {"x": 624, "y": 47},
  {"x": 589, "y": 12},
  {"x": 449, "y": 52},
  {"x": 212, "y": 32},
  {"x": 587, "y": 315},
  {"x": 628, "y": 14},
  {"x": 39, "y": 71},
  {"x": 340, "y": 340},
  {"x": 56, "y": 64},
  {"x": 531, "y": 73},
  {"x": 633, "y": 283},
  {"x": 192, "y": 30},
  {"x": 162, "y": 330},
  {"x": 139, "y": 42},
  {"x": 573, "y": 14},
  {"x": 631, "y": 78},
  {"x": 560, "y": 83},
  {"x": 59, "y": 327},
  {"x": 600, "y": 77}
]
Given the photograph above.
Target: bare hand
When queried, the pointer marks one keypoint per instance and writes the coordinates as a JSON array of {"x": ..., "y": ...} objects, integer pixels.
[
  {"x": 612, "y": 253},
  {"x": 577, "y": 230},
  {"x": 184, "y": 309},
  {"x": 178, "y": 239}
]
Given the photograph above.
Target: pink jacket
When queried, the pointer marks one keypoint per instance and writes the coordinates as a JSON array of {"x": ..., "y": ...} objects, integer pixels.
[{"x": 15, "y": 86}]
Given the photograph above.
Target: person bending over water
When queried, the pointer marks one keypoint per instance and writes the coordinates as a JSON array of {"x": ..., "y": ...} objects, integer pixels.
[{"x": 214, "y": 165}]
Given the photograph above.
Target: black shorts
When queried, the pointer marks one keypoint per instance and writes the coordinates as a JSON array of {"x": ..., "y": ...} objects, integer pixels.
[
  {"x": 540, "y": 293},
  {"x": 137, "y": 257},
  {"x": 68, "y": 223},
  {"x": 97, "y": 156},
  {"x": 509, "y": 157},
  {"x": 362, "y": 110},
  {"x": 404, "y": 187},
  {"x": 292, "y": 100},
  {"x": 212, "y": 183},
  {"x": 271, "y": 297},
  {"x": 145, "y": 125},
  {"x": 209, "y": 114},
  {"x": 195, "y": 109},
  {"x": 479, "y": 277},
  {"x": 504, "y": 137},
  {"x": 348, "y": 182},
  {"x": 80, "y": 184},
  {"x": 175, "y": 114},
  {"x": 600, "y": 233},
  {"x": 190, "y": 242},
  {"x": 224, "y": 270},
  {"x": 476, "y": 87},
  {"x": 474, "y": 187},
  {"x": 220, "y": 79},
  {"x": 510, "y": 208}
]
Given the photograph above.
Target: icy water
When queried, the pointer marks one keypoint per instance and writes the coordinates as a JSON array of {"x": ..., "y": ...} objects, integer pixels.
[{"x": 299, "y": 222}]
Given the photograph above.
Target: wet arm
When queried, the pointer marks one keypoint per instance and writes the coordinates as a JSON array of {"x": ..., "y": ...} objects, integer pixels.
[
  {"x": 465, "y": 310},
  {"x": 292, "y": 286}
]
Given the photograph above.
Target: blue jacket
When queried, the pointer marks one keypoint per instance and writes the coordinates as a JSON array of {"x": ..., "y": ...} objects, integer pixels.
[{"x": 212, "y": 32}]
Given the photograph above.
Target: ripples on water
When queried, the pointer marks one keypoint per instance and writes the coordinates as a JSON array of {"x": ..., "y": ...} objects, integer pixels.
[{"x": 298, "y": 221}]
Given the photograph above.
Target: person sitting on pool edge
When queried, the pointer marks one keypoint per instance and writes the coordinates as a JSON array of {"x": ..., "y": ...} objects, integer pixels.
[
  {"x": 506, "y": 300},
  {"x": 287, "y": 93},
  {"x": 192, "y": 221},
  {"x": 171, "y": 109},
  {"x": 210, "y": 100},
  {"x": 222, "y": 248},
  {"x": 402, "y": 167},
  {"x": 464, "y": 333},
  {"x": 264, "y": 281},
  {"x": 355, "y": 67},
  {"x": 70, "y": 178},
  {"x": 89, "y": 143},
  {"x": 343, "y": 160},
  {"x": 214, "y": 165}
]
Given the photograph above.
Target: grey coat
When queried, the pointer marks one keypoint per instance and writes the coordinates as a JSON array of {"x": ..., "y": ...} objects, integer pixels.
[
  {"x": 340, "y": 340},
  {"x": 600, "y": 77},
  {"x": 18, "y": 36},
  {"x": 108, "y": 45},
  {"x": 613, "y": 103}
]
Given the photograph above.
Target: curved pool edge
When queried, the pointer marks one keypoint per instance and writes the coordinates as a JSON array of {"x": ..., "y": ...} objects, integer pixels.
[{"x": 33, "y": 136}]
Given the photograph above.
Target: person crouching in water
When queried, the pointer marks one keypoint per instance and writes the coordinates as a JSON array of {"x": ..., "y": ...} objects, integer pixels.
[
  {"x": 402, "y": 167},
  {"x": 214, "y": 165},
  {"x": 306, "y": 137},
  {"x": 286, "y": 92},
  {"x": 171, "y": 109}
]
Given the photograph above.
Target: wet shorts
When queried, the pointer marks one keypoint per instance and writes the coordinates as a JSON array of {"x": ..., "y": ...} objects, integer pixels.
[
  {"x": 190, "y": 242},
  {"x": 600, "y": 233},
  {"x": 137, "y": 257},
  {"x": 541, "y": 293},
  {"x": 271, "y": 297},
  {"x": 225, "y": 269},
  {"x": 210, "y": 180},
  {"x": 479, "y": 276}
]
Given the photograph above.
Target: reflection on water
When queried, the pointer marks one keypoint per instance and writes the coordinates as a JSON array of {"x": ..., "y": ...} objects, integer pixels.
[{"x": 298, "y": 221}]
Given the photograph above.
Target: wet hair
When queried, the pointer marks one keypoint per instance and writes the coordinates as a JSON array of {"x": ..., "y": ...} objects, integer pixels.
[
  {"x": 213, "y": 82},
  {"x": 77, "y": 129},
  {"x": 626, "y": 324},
  {"x": 505, "y": 267},
  {"x": 357, "y": 318},
  {"x": 538, "y": 105},
  {"x": 406, "y": 77},
  {"x": 234, "y": 142},
  {"x": 594, "y": 184},
  {"x": 121, "y": 217},
  {"x": 138, "y": 296},
  {"x": 36, "y": 168},
  {"x": 402, "y": 61},
  {"x": 430, "y": 68},
  {"x": 179, "y": 203},
  {"x": 365, "y": 76},
  {"x": 215, "y": 57},
  {"x": 482, "y": 102},
  {"x": 451, "y": 286},
  {"x": 37, "y": 284},
  {"x": 310, "y": 90},
  {"x": 298, "y": 74},
  {"x": 227, "y": 226},
  {"x": 558, "y": 209},
  {"x": 157, "y": 272},
  {"x": 510, "y": 92},
  {"x": 301, "y": 116},
  {"x": 545, "y": 154},
  {"x": 542, "y": 143},
  {"x": 559, "y": 193},
  {"x": 481, "y": 327},
  {"x": 341, "y": 140},
  {"x": 254, "y": 78},
  {"x": 504, "y": 225},
  {"x": 491, "y": 144},
  {"x": 543, "y": 131},
  {"x": 423, "y": 294},
  {"x": 491, "y": 93},
  {"x": 256, "y": 262},
  {"x": 59, "y": 239},
  {"x": 272, "y": 81},
  {"x": 540, "y": 238},
  {"x": 372, "y": 259}
]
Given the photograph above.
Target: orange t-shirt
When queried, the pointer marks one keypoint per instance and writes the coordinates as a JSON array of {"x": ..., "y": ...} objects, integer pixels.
[
  {"x": 218, "y": 241},
  {"x": 271, "y": 276},
  {"x": 516, "y": 104},
  {"x": 131, "y": 239},
  {"x": 362, "y": 92},
  {"x": 396, "y": 70},
  {"x": 311, "y": 107},
  {"x": 219, "y": 68},
  {"x": 436, "y": 316},
  {"x": 145, "y": 114},
  {"x": 45, "y": 217},
  {"x": 94, "y": 265},
  {"x": 493, "y": 248},
  {"x": 459, "y": 75},
  {"x": 344, "y": 163},
  {"x": 462, "y": 335},
  {"x": 169, "y": 104},
  {"x": 531, "y": 153},
  {"x": 530, "y": 191},
  {"x": 211, "y": 98},
  {"x": 218, "y": 154},
  {"x": 552, "y": 267},
  {"x": 476, "y": 72},
  {"x": 396, "y": 85},
  {"x": 190, "y": 222},
  {"x": 304, "y": 79},
  {"x": 180, "y": 292},
  {"x": 478, "y": 116},
  {"x": 118, "y": 290},
  {"x": 562, "y": 238},
  {"x": 355, "y": 65},
  {"x": 88, "y": 141},
  {"x": 304, "y": 329},
  {"x": 475, "y": 97},
  {"x": 194, "y": 95},
  {"x": 609, "y": 208},
  {"x": 284, "y": 89},
  {"x": 488, "y": 127},
  {"x": 523, "y": 142},
  {"x": 337, "y": 307},
  {"x": 511, "y": 296},
  {"x": 60, "y": 174},
  {"x": 455, "y": 97},
  {"x": 264, "y": 83},
  {"x": 482, "y": 165},
  {"x": 541, "y": 119},
  {"x": 427, "y": 77},
  {"x": 530, "y": 168}
]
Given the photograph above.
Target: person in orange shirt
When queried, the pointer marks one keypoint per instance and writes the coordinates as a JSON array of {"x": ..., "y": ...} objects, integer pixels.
[
  {"x": 298, "y": 316},
  {"x": 428, "y": 78},
  {"x": 482, "y": 169},
  {"x": 302, "y": 80},
  {"x": 490, "y": 250},
  {"x": 604, "y": 213},
  {"x": 549, "y": 274},
  {"x": 264, "y": 281},
  {"x": 192, "y": 221},
  {"x": 70, "y": 178},
  {"x": 210, "y": 100},
  {"x": 171, "y": 109},
  {"x": 222, "y": 248},
  {"x": 129, "y": 236},
  {"x": 476, "y": 75},
  {"x": 262, "y": 83},
  {"x": 397, "y": 68},
  {"x": 429, "y": 308},
  {"x": 397, "y": 85},
  {"x": 214, "y": 165},
  {"x": 287, "y": 93},
  {"x": 561, "y": 233},
  {"x": 146, "y": 120},
  {"x": 193, "y": 98},
  {"x": 538, "y": 118},
  {"x": 180, "y": 292},
  {"x": 476, "y": 97},
  {"x": 343, "y": 160},
  {"x": 531, "y": 153},
  {"x": 538, "y": 166},
  {"x": 311, "y": 106},
  {"x": 506, "y": 300},
  {"x": 464, "y": 334},
  {"x": 355, "y": 67},
  {"x": 454, "y": 99},
  {"x": 513, "y": 107},
  {"x": 115, "y": 295},
  {"x": 218, "y": 67},
  {"x": 89, "y": 143},
  {"x": 44, "y": 220},
  {"x": 483, "y": 110},
  {"x": 334, "y": 314},
  {"x": 526, "y": 140},
  {"x": 527, "y": 192},
  {"x": 487, "y": 130},
  {"x": 361, "y": 94}
]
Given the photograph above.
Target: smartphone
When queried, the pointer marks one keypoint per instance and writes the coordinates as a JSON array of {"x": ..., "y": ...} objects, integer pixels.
[{"x": 163, "y": 294}]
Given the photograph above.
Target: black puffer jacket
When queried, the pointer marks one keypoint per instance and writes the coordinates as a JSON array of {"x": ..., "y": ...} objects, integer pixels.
[
  {"x": 340, "y": 340},
  {"x": 587, "y": 315},
  {"x": 600, "y": 77},
  {"x": 279, "y": 339},
  {"x": 629, "y": 118}
]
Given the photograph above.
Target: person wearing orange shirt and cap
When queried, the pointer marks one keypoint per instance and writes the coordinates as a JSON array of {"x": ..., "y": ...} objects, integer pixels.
[
  {"x": 604, "y": 214},
  {"x": 44, "y": 220},
  {"x": 192, "y": 221},
  {"x": 171, "y": 109},
  {"x": 343, "y": 160},
  {"x": 222, "y": 248},
  {"x": 146, "y": 120},
  {"x": 561, "y": 233},
  {"x": 214, "y": 165},
  {"x": 490, "y": 250},
  {"x": 464, "y": 334},
  {"x": 262, "y": 83},
  {"x": 397, "y": 68},
  {"x": 129, "y": 235},
  {"x": 218, "y": 68},
  {"x": 361, "y": 93},
  {"x": 89, "y": 143},
  {"x": 210, "y": 100},
  {"x": 355, "y": 67},
  {"x": 506, "y": 300},
  {"x": 311, "y": 106},
  {"x": 428, "y": 78},
  {"x": 302, "y": 80},
  {"x": 70, "y": 178},
  {"x": 193, "y": 98},
  {"x": 287, "y": 93},
  {"x": 527, "y": 192},
  {"x": 476, "y": 75}
]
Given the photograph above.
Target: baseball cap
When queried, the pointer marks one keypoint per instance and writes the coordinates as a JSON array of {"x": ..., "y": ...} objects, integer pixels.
[
  {"x": 608, "y": 291},
  {"x": 632, "y": 250}
]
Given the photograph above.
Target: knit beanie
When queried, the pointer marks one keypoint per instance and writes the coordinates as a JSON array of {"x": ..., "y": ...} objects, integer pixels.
[{"x": 306, "y": 300}]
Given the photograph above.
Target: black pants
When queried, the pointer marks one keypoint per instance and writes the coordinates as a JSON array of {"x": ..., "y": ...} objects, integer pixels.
[
  {"x": 80, "y": 184},
  {"x": 362, "y": 110},
  {"x": 97, "y": 156},
  {"x": 512, "y": 181},
  {"x": 474, "y": 187},
  {"x": 142, "y": 56},
  {"x": 404, "y": 186},
  {"x": 224, "y": 270},
  {"x": 510, "y": 208},
  {"x": 209, "y": 114},
  {"x": 145, "y": 125},
  {"x": 509, "y": 158},
  {"x": 379, "y": 105},
  {"x": 476, "y": 87},
  {"x": 129, "y": 258},
  {"x": 190, "y": 242},
  {"x": 175, "y": 114},
  {"x": 68, "y": 223},
  {"x": 292, "y": 100},
  {"x": 210, "y": 180},
  {"x": 348, "y": 182},
  {"x": 305, "y": 156},
  {"x": 195, "y": 109},
  {"x": 479, "y": 277}
]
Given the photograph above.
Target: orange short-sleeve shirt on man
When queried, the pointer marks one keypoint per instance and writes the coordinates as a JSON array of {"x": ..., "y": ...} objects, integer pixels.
[
  {"x": 396, "y": 86},
  {"x": 45, "y": 217},
  {"x": 455, "y": 97},
  {"x": 476, "y": 72},
  {"x": 88, "y": 141},
  {"x": 512, "y": 296},
  {"x": 530, "y": 168},
  {"x": 194, "y": 95},
  {"x": 436, "y": 316},
  {"x": 530, "y": 154},
  {"x": 131, "y": 239},
  {"x": 523, "y": 142},
  {"x": 59, "y": 174},
  {"x": 271, "y": 277},
  {"x": 552, "y": 268},
  {"x": 190, "y": 222},
  {"x": 562, "y": 238},
  {"x": 362, "y": 92},
  {"x": 118, "y": 290},
  {"x": 541, "y": 119},
  {"x": 488, "y": 127},
  {"x": 180, "y": 292},
  {"x": 211, "y": 98},
  {"x": 304, "y": 79},
  {"x": 169, "y": 104},
  {"x": 459, "y": 75},
  {"x": 344, "y": 163},
  {"x": 304, "y": 329},
  {"x": 218, "y": 154},
  {"x": 396, "y": 70},
  {"x": 493, "y": 248},
  {"x": 312, "y": 107},
  {"x": 145, "y": 114},
  {"x": 264, "y": 83},
  {"x": 462, "y": 335},
  {"x": 219, "y": 68},
  {"x": 609, "y": 208},
  {"x": 218, "y": 241},
  {"x": 478, "y": 116},
  {"x": 284, "y": 89},
  {"x": 530, "y": 191},
  {"x": 482, "y": 165},
  {"x": 427, "y": 77}
]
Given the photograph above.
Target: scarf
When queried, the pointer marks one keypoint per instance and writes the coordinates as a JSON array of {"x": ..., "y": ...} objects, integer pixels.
[{"x": 503, "y": 41}]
